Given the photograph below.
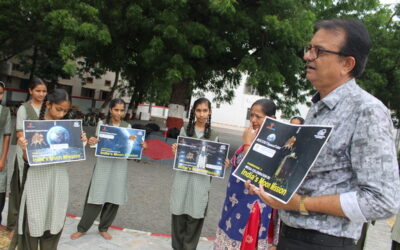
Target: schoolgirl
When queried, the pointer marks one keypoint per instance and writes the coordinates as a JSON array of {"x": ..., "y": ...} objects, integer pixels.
[
  {"x": 190, "y": 192},
  {"x": 27, "y": 111},
  {"x": 45, "y": 193},
  {"x": 109, "y": 184},
  {"x": 5, "y": 134}
]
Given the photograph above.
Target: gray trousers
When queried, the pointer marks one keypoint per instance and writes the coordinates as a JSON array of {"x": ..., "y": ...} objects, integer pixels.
[
  {"x": 107, "y": 212},
  {"x": 25, "y": 241},
  {"x": 186, "y": 232}
]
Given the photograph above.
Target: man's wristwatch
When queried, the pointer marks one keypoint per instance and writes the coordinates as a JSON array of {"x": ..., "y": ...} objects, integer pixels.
[{"x": 302, "y": 207}]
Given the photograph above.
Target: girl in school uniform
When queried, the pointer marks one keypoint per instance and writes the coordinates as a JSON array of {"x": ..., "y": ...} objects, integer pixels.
[
  {"x": 109, "y": 184},
  {"x": 27, "y": 111},
  {"x": 190, "y": 191},
  {"x": 5, "y": 133},
  {"x": 45, "y": 194}
]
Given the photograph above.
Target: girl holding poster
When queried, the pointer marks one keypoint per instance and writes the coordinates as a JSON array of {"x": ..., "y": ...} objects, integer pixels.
[
  {"x": 45, "y": 193},
  {"x": 27, "y": 111},
  {"x": 247, "y": 222},
  {"x": 190, "y": 191},
  {"x": 109, "y": 184},
  {"x": 5, "y": 133}
]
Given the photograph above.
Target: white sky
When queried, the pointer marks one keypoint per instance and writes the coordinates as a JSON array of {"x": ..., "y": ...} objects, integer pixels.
[{"x": 389, "y": 1}]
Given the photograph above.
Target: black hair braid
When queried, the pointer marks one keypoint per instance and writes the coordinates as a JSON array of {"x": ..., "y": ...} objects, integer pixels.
[
  {"x": 190, "y": 126},
  {"x": 207, "y": 130},
  {"x": 43, "y": 109}
]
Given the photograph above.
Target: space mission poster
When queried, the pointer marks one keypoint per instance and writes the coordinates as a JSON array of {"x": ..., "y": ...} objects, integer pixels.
[
  {"x": 201, "y": 156},
  {"x": 281, "y": 155},
  {"x": 120, "y": 143},
  {"x": 53, "y": 141}
]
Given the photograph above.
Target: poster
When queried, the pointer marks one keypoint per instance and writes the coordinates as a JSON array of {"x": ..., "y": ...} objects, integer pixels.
[
  {"x": 120, "y": 143},
  {"x": 53, "y": 141},
  {"x": 201, "y": 156},
  {"x": 281, "y": 156}
]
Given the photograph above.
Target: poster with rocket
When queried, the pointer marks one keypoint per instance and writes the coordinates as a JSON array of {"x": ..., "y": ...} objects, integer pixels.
[{"x": 201, "y": 156}]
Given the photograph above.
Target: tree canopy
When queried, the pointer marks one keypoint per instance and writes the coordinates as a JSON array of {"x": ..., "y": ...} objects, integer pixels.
[{"x": 167, "y": 49}]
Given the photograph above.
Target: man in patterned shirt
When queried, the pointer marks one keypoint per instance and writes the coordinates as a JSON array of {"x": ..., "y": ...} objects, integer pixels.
[{"x": 355, "y": 179}]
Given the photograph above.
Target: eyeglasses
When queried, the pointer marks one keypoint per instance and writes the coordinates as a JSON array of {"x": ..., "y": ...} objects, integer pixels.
[{"x": 315, "y": 51}]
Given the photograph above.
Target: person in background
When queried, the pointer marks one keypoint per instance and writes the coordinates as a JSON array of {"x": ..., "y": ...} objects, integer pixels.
[
  {"x": 27, "y": 111},
  {"x": 239, "y": 206},
  {"x": 5, "y": 134},
  {"x": 298, "y": 120},
  {"x": 109, "y": 184}
]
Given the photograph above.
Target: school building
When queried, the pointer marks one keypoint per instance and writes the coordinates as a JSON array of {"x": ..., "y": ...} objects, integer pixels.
[{"x": 87, "y": 94}]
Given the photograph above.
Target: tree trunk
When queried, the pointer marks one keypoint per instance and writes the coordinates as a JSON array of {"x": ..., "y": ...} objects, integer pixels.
[
  {"x": 111, "y": 93},
  {"x": 176, "y": 108},
  {"x": 33, "y": 67}
]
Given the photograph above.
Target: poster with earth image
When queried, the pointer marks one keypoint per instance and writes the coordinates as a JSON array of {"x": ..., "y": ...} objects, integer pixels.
[
  {"x": 119, "y": 142},
  {"x": 53, "y": 141}
]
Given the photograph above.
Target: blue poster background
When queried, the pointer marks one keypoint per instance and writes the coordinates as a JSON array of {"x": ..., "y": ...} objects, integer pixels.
[
  {"x": 121, "y": 143},
  {"x": 55, "y": 141}
]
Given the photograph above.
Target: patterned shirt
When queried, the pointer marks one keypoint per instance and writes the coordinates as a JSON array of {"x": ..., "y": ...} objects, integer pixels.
[{"x": 358, "y": 162}]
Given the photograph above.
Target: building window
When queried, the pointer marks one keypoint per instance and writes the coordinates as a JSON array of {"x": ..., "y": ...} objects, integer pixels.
[
  {"x": 24, "y": 84},
  {"x": 107, "y": 83},
  {"x": 17, "y": 67},
  {"x": 104, "y": 94},
  {"x": 87, "y": 92},
  {"x": 218, "y": 105},
  {"x": 89, "y": 79},
  {"x": 67, "y": 88}
]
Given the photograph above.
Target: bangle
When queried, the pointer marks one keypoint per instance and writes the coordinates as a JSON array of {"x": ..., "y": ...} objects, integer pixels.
[{"x": 246, "y": 145}]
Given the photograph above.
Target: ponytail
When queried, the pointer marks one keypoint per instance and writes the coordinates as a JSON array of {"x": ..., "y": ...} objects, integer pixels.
[
  {"x": 207, "y": 130},
  {"x": 43, "y": 109},
  {"x": 190, "y": 126}
]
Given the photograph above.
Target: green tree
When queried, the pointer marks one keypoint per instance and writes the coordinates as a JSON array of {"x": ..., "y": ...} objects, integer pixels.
[
  {"x": 51, "y": 34},
  {"x": 382, "y": 75}
]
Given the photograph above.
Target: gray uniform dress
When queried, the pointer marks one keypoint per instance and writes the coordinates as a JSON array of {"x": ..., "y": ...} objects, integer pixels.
[
  {"x": 5, "y": 129},
  {"x": 189, "y": 201},
  {"x": 45, "y": 198},
  {"x": 110, "y": 180},
  {"x": 25, "y": 112},
  {"x": 108, "y": 189},
  {"x": 22, "y": 115}
]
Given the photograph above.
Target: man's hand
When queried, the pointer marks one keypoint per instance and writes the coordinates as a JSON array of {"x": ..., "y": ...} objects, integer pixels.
[{"x": 293, "y": 204}]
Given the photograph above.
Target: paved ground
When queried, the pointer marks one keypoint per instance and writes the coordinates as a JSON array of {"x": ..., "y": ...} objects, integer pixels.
[{"x": 148, "y": 206}]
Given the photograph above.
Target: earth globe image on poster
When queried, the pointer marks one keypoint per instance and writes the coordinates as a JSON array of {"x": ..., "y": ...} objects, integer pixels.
[
  {"x": 124, "y": 141},
  {"x": 58, "y": 135}
]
